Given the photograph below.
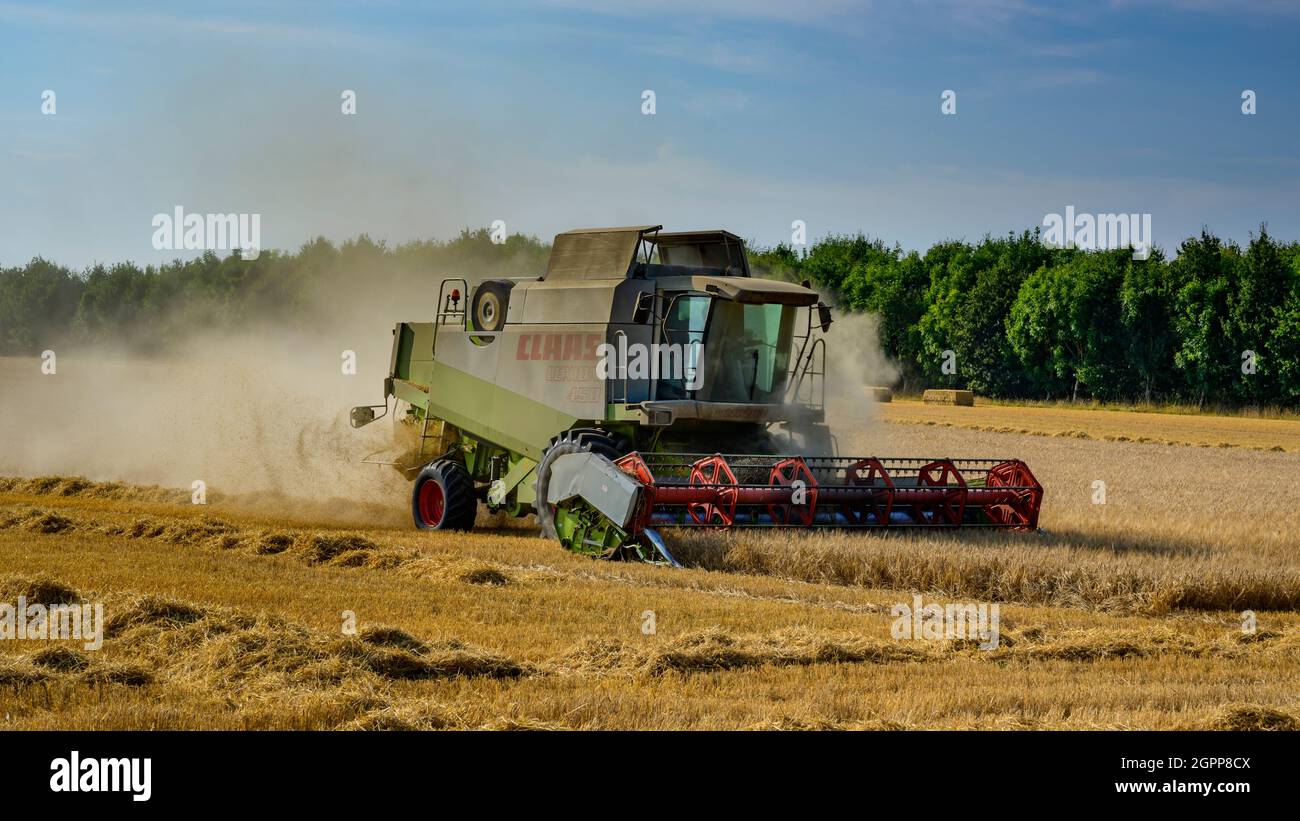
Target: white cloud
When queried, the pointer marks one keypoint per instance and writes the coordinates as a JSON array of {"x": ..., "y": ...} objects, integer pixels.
[
  {"x": 131, "y": 21},
  {"x": 808, "y": 12}
]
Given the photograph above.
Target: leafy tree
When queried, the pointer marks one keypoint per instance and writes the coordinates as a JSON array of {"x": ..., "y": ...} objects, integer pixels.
[
  {"x": 1284, "y": 352},
  {"x": 1038, "y": 330},
  {"x": 37, "y": 304},
  {"x": 830, "y": 261},
  {"x": 1264, "y": 282},
  {"x": 970, "y": 296},
  {"x": 1204, "y": 274},
  {"x": 1146, "y": 310},
  {"x": 1067, "y": 327}
]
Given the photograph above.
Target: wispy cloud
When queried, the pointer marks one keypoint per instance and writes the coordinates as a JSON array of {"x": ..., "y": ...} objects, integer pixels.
[
  {"x": 1074, "y": 51},
  {"x": 1063, "y": 77},
  {"x": 716, "y": 55},
  {"x": 808, "y": 12},
  {"x": 718, "y": 102},
  {"x": 226, "y": 27},
  {"x": 1272, "y": 7}
]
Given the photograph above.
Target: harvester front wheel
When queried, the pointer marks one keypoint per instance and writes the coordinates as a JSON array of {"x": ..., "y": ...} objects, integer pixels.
[
  {"x": 571, "y": 441},
  {"x": 443, "y": 497}
]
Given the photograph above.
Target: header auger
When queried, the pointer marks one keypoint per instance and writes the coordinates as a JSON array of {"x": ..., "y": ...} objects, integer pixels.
[{"x": 648, "y": 381}]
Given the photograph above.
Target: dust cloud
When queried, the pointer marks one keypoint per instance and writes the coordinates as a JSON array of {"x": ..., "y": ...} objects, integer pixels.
[
  {"x": 254, "y": 403},
  {"x": 257, "y": 414},
  {"x": 855, "y": 362}
]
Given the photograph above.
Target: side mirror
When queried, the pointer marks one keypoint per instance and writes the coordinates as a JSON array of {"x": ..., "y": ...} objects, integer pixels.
[{"x": 824, "y": 316}]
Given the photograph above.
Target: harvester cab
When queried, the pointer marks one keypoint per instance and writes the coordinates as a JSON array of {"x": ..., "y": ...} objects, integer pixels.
[{"x": 603, "y": 395}]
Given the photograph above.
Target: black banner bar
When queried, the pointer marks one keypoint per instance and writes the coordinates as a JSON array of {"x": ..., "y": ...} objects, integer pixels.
[{"x": 306, "y": 770}]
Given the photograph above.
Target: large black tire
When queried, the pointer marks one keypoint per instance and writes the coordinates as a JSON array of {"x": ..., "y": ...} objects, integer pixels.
[
  {"x": 443, "y": 497},
  {"x": 571, "y": 441},
  {"x": 487, "y": 309}
]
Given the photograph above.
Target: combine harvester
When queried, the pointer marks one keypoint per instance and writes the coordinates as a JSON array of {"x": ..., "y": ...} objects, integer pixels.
[{"x": 648, "y": 381}]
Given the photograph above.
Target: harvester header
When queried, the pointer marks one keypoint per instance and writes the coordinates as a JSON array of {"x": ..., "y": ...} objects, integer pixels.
[{"x": 648, "y": 381}]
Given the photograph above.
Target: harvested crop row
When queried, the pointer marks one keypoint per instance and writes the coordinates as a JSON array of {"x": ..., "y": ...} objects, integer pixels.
[
  {"x": 717, "y": 650},
  {"x": 974, "y": 569},
  {"x": 82, "y": 488},
  {"x": 334, "y": 549},
  {"x": 235, "y": 649}
]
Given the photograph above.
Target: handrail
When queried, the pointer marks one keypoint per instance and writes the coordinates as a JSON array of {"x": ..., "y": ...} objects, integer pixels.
[
  {"x": 622, "y": 364},
  {"x": 445, "y": 311},
  {"x": 806, "y": 367}
]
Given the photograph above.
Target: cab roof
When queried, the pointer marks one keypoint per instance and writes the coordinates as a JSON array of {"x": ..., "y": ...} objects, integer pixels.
[{"x": 612, "y": 253}]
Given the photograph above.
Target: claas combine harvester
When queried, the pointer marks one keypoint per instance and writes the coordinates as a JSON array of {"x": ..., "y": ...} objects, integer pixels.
[{"x": 648, "y": 381}]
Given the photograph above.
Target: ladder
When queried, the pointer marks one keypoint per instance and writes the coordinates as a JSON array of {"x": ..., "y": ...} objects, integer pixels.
[{"x": 425, "y": 436}]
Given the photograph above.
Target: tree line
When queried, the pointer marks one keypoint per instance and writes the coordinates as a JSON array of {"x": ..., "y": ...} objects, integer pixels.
[
  {"x": 321, "y": 287},
  {"x": 1007, "y": 317},
  {"x": 1013, "y": 318}
]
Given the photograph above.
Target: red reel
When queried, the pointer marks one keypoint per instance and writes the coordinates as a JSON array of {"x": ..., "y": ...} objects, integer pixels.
[
  {"x": 944, "y": 507},
  {"x": 784, "y": 474},
  {"x": 714, "y": 473},
  {"x": 1024, "y": 512},
  {"x": 636, "y": 466},
  {"x": 870, "y": 473}
]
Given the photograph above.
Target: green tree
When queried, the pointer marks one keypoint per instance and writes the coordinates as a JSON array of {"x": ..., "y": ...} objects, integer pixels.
[
  {"x": 37, "y": 305},
  {"x": 970, "y": 296},
  {"x": 1066, "y": 326},
  {"x": 1146, "y": 310},
  {"x": 1204, "y": 275},
  {"x": 1264, "y": 282}
]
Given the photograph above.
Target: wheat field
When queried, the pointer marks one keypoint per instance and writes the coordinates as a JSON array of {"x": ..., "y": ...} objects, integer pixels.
[{"x": 275, "y": 612}]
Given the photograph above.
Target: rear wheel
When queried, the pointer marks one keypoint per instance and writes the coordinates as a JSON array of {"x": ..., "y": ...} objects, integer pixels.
[
  {"x": 571, "y": 441},
  {"x": 443, "y": 497}
]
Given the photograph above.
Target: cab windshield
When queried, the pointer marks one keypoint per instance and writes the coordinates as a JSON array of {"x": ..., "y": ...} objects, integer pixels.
[{"x": 732, "y": 352}]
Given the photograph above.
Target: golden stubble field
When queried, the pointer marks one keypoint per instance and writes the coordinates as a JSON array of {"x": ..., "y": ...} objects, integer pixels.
[
  {"x": 1196, "y": 430},
  {"x": 232, "y": 615},
  {"x": 222, "y": 617}
]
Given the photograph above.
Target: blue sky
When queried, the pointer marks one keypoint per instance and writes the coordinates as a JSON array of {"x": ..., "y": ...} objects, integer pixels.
[{"x": 826, "y": 111}]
